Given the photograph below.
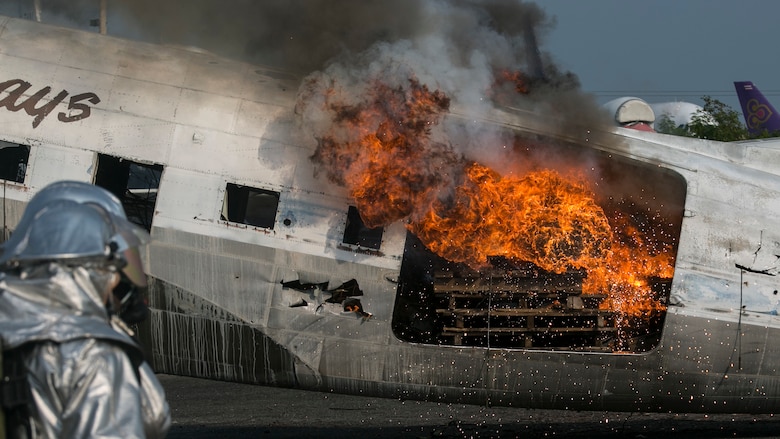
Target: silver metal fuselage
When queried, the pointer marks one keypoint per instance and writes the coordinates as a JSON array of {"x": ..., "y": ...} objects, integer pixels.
[{"x": 219, "y": 308}]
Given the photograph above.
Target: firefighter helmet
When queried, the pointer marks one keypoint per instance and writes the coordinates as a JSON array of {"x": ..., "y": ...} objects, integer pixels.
[{"x": 73, "y": 222}]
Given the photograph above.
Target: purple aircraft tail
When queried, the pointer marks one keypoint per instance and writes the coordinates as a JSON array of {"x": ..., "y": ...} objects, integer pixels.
[{"x": 759, "y": 114}]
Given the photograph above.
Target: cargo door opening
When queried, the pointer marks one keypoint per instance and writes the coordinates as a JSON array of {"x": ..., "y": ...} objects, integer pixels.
[{"x": 614, "y": 303}]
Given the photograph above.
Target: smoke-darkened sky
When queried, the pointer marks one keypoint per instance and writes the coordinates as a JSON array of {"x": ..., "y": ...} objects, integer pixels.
[
  {"x": 303, "y": 34},
  {"x": 663, "y": 50},
  {"x": 461, "y": 47}
]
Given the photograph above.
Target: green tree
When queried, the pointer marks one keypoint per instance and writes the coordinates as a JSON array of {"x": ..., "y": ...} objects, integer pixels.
[
  {"x": 665, "y": 124},
  {"x": 717, "y": 121}
]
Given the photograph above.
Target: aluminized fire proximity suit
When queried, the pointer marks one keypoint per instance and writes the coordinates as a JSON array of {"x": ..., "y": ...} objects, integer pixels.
[{"x": 85, "y": 374}]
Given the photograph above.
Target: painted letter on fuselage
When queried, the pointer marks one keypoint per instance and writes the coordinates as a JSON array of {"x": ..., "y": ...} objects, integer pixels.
[
  {"x": 15, "y": 101},
  {"x": 75, "y": 104}
]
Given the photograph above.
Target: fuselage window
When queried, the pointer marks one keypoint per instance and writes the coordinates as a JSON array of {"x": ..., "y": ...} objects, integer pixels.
[
  {"x": 135, "y": 184},
  {"x": 356, "y": 232},
  {"x": 251, "y": 206},
  {"x": 13, "y": 161}
]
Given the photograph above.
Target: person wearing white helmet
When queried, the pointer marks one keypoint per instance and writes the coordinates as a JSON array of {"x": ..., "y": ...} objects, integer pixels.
[{"x": 71, "y": 366}]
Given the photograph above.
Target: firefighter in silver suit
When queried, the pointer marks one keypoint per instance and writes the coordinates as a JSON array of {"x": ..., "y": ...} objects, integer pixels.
[{"x": 70, "y": 364}]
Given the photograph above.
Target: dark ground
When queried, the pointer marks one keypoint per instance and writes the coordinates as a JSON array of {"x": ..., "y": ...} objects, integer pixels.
[{"x": 213, "y": 409}]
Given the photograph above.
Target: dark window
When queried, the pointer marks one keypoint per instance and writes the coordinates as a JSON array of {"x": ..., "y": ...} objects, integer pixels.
[
  {"x": 13, "y": 161},
  {"x": 135, "y": 184},
  {"x": 248, "y": 205},
  {"x": 356, "y": 233}
]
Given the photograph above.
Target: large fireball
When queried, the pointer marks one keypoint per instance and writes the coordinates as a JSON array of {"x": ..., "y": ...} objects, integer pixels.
[{"x": 381, "y": 149}]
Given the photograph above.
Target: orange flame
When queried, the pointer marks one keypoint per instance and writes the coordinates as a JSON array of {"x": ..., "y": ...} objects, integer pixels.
[
  {"x": 627, "y": 270},
  {"x": 390, "y": 165},
  {"x": 517, "y": 78},
  {"x": 541, "y": 218},
  {"x": 395, "y": 171}
]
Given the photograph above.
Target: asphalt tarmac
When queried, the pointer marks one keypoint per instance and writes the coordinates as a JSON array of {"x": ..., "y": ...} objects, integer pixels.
[{"x": 214, "y": 409}]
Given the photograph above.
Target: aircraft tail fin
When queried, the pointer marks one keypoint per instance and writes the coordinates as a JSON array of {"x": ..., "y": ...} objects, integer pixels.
[{"x": 759, "y": 114}]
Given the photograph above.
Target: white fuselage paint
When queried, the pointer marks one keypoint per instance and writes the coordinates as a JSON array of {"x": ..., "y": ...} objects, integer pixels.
[{"x": 212, "y": 121}]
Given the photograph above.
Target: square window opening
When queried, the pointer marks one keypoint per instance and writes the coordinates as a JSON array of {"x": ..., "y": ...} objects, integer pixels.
[
  {"x": 13, "y": 161},
  {"x": 251, "y": 206},
  {"x": 356, "y": 232},
  {"x": 135, "y": 184}
]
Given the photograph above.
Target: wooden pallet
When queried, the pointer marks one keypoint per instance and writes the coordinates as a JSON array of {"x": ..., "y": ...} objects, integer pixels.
[{"x": 525, "y": 309}]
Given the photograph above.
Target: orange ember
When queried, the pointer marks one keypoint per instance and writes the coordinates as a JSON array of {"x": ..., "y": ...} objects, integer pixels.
[
  {"x": 394, "y": 170},
  {"x": 632, "y": 262},
  {"x": 517, "y": 78}
]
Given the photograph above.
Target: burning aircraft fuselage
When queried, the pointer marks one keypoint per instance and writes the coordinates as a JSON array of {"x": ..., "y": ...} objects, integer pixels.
[{"x": 654, "y": 290}]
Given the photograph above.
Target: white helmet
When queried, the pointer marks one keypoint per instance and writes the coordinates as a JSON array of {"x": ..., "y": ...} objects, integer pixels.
[{"x": 72, "y": 223}]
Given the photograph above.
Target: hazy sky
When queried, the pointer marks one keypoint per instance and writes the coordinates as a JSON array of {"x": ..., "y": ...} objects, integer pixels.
[{"x": 666, "y": 50}]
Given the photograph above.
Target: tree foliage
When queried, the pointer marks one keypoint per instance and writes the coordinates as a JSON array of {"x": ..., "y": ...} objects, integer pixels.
[
  {"x": 715, "y": 121},
  {"x": 665, "y": 124}
]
